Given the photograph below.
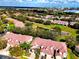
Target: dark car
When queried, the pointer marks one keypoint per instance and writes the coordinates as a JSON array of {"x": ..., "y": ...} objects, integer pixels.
[{"x": 5, "y": 57}]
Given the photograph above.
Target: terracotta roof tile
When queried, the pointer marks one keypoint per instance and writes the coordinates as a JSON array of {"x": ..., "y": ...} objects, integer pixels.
[
  {"x": 14, "y": 39},
  {"x": 16, "y": 22},
  {"x": 48, "y": 46}
]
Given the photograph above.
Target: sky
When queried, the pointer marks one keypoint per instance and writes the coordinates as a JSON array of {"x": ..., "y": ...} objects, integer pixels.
[{"x": 40, "y": 3}]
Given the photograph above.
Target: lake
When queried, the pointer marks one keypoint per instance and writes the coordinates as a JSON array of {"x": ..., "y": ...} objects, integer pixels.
[{"x": 73, "y": 11}]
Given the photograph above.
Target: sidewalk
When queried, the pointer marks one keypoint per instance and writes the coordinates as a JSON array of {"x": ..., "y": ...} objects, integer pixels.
[
  {"x": 5, "y": 51},
  {"x": 32, "y": 56}
]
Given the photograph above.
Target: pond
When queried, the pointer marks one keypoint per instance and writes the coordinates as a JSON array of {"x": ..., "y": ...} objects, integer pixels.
[{"x": 73, "y": 11}]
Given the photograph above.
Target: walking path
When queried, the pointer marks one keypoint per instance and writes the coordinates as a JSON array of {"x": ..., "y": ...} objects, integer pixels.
[
  {"x": 5, "y": 51},
  {"x": 58, "y": 57},
  {"x": 32, "y": 56}
]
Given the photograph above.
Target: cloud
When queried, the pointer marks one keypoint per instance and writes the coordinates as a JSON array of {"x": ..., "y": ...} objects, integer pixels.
[
  {"x": 19, "y": 0},
  {"x": 39, "y": 1},
  {"x": 29, "y": 0},
  {"x": 42, "y": 1}
]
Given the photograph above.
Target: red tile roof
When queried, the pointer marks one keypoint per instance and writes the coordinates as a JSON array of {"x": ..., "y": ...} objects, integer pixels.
[
  {"x": 14, "y": 39},
  {"x": 17, "y": 23},
  {"x": 48, "y": 46}
]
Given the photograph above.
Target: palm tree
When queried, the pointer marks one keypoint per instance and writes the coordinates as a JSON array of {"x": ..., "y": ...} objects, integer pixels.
[
  {"x": 37, "y": 53},
  {"x": 54, "y": 54},
  {"x": 25, "y": 46},
  {"x": 2, "y": 27}
]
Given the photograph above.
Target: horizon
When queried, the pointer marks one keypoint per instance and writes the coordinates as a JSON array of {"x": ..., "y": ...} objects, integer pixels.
[{"x": 41, "y": 3}]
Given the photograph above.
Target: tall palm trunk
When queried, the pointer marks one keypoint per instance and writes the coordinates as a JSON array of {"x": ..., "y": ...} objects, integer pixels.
[{"x": 54, "y": 54}]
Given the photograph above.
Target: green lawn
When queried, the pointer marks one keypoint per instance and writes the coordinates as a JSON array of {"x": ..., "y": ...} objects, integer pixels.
[
  {"x": 71, "y": 55},
  {"x": 63, "y": 28},
  {"x": 25, "y": 55}
]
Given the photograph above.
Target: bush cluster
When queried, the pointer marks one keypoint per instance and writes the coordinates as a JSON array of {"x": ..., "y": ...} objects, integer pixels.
[{"x": 24, "y": 18}]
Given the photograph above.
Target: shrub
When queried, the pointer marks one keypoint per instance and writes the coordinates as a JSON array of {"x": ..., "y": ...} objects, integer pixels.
[
  {"x": 47, "y": 22},
  {"x": 57, "y": 29},
  {"x": 39, "y": 32},
  {"x": 2, "y": 27},
  {"x": 29, "y": 19},
  {"x": 76, "y": 26},
  {"x": 62, "y": 40},
  {"x": 11, "y": 27},
  {"x": 3, "y": 44},
  {"x": 71, "y": 42},
  {"x": 37, "y": 53},
  {"x": 21, "y": 18},
  {"x": 28, "y": 23},
  {"x": 76, "y": 53},
  {"x": 3, "y": 16},
  {"x": 13, "y": 16},
  {"x": 25, "y": 46},
  {"x": 39, "y": 21},
  {"x": 16, "y": 51},
  {"x": 77, "y": 38},
  {"x": 77, "y": 32},
  {"x": 25, "y": 31}
]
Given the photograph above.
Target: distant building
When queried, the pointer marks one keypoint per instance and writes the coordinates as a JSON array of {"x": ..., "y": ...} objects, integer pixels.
[
  {"x": 77, "y": 48},
  {"x": 77, "y": 19},
  {"x": 17, "y": 23},
  {"x": 60, "y": 22}
]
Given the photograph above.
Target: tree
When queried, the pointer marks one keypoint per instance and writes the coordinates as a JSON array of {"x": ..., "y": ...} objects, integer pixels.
[
  {"x": 4, "y": 16},
  {"x": 77, "y": 32},
  {"x": 37, "y": 53},
  {"x": 28, "y": 30},
  {"x": 45, "y": 33},
  {"x": 39, "y": 21},
  {"x": 69, "y": 21},
  {"x": 25, "y": 46},
  {"x": 10, "y": 25},
  {"x": 13, "y": 16},
  {"x": 2, "y": 27},
  {"x": 21, "y": 18},
  {"x": 28, "y": 23},
  {"x": 3, "y": 44},
  {"x": 71, "y": 42},
  {"x": 57, "y": 29},
  {"x": 25, "y": 31},
  {"x": 6, "y": 25},
  {"x": 47, "y": 22},
  {"x": 36, "y": 32},
  {"x": 16, "y": 51},
  {"x": 77, "y": 38},
  {"x": 76, "y": 26}
]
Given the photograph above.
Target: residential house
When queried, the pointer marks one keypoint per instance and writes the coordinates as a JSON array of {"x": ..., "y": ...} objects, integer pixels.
[
  {"x": 77, "y": 48},
  {"x": 60, "y": 22},
  {"x": 17, "y": 23},
  {"x": 15, "y": 39},
  {"x": 50, "y": 48}
]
